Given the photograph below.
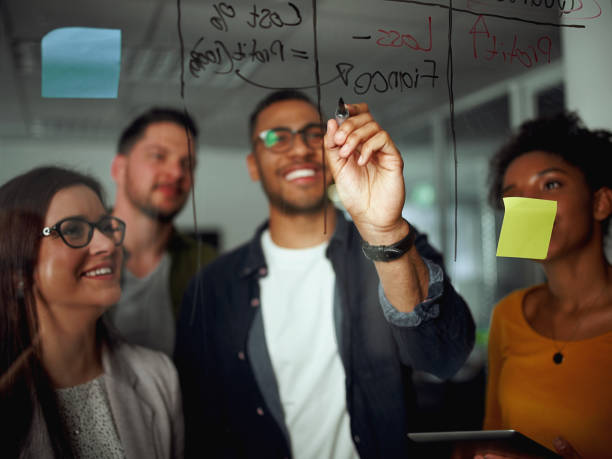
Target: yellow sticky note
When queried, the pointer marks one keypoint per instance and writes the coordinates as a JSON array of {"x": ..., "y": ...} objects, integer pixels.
[{"x": 526, "y": 228}]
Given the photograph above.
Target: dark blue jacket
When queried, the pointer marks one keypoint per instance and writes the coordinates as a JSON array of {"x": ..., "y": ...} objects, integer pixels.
[{"x": 231, "y": 402}]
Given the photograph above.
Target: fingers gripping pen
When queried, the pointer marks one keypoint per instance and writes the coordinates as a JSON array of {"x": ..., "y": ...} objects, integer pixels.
[{"x": 341, "y": 113}]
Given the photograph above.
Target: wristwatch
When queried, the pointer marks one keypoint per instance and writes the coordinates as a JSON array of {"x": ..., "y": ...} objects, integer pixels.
[{"x": 389, "y": 252}]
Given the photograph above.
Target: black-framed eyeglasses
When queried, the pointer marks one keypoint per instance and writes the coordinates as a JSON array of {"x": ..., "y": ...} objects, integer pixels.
[
  {"x": 76, "y": 232},
  {"x": 280, "y": 139}
]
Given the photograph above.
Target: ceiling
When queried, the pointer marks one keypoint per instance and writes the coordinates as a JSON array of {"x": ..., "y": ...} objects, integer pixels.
[{"x": 381, "y": 70}]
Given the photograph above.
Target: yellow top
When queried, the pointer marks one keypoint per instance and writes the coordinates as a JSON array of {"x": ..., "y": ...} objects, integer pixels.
[{"x": 528, "y": 392}]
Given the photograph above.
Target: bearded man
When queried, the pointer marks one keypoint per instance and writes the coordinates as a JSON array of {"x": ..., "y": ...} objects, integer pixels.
[{"x": 153, "y": 170}]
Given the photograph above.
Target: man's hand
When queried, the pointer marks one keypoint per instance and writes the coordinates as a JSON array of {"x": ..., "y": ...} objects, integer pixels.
[{"x": 367, "y": 169}]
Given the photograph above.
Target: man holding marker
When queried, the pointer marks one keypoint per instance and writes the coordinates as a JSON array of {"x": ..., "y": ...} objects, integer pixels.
[
  {"x": 153, "y": 173},
  {"x": 301, "y": 342}
]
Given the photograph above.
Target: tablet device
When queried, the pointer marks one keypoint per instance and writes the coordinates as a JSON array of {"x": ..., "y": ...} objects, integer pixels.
[{"x": 467, "y": 443}]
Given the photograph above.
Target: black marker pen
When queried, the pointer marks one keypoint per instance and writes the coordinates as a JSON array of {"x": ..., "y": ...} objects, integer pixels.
[{"x": 341, "y": 113}]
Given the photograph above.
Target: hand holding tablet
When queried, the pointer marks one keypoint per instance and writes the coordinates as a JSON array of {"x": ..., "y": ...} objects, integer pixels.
[{"x": 498, "y": 443}]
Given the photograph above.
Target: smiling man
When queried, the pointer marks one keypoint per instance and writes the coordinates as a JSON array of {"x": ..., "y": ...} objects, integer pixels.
[
  {"x": 153, "y": 172},
  {"x": 301, "y": 342}
]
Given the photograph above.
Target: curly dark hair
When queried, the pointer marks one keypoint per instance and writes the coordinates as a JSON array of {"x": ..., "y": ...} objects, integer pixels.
[{"x": 563, "y": 135}]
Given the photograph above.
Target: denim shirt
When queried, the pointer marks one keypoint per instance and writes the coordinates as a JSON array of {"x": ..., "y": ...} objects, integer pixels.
[{"x": 232, "y": 404}]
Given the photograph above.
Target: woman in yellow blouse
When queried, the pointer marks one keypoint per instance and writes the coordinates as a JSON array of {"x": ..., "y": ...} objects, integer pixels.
[{"x": 550, "y": 346}]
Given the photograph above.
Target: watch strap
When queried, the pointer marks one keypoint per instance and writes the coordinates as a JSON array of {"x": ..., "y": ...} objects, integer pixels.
[{"x": 389, "y": 252}]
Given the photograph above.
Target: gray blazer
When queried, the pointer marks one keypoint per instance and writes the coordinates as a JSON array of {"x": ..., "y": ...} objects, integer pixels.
[{"x": 145, "y": 401}]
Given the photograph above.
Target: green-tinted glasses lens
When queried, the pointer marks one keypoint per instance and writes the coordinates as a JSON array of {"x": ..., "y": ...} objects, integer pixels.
[{"x": 271, "y": 138}]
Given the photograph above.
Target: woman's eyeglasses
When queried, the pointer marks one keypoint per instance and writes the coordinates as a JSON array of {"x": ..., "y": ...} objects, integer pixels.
[
  {"x": 280, "y": 139},
  {"x": 76, "y": 232}
]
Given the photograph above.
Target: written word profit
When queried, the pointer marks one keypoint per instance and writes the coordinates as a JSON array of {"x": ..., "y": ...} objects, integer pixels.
[
  {"x": 385, "y": 81},
  {"x": 488, "y": 46},
  {"x": 223, "y": 58},
  {"x": 396, "y": 39}
]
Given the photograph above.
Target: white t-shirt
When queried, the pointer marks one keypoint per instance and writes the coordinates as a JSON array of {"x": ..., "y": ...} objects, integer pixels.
[{"x": 297, "y": 308}]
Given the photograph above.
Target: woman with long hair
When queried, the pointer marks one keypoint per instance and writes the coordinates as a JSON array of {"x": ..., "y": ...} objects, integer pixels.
[
  {"x": 68, "y": 388},
  {"x": 550, "y": 345}
]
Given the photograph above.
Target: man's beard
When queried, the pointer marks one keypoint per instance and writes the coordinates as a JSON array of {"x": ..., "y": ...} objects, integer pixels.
[
  {"x": 150, "y": 210},
  {"x": 278, "y": 201}
]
